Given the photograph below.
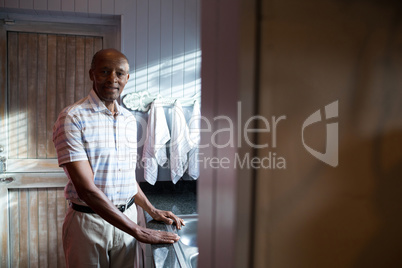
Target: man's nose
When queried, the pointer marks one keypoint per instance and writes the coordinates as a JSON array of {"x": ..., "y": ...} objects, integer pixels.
[{"x": 112, "y": 77}]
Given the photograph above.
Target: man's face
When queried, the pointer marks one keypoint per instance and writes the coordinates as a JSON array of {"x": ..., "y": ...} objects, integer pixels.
[{"x": 109, "y": 75}]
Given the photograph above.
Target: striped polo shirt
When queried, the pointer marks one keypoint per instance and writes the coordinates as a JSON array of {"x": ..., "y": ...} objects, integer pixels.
[{"x": 87, "y": 130}]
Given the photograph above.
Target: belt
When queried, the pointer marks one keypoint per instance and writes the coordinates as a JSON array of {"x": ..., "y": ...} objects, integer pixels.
[{"x": 86, "y": 209}]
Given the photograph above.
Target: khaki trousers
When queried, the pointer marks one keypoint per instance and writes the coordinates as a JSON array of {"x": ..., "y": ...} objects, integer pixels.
[{"x": 90, "y": 241}]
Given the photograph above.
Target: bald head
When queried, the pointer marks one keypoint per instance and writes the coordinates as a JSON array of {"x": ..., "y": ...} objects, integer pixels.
[{"x": 108, "y": 52}]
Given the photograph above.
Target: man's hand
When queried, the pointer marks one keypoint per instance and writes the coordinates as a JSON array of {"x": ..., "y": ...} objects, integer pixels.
[
  {"x": 160, "y": 215},
  {"x": 151, "y": 236},
  {"x": 167, "y": 217}
]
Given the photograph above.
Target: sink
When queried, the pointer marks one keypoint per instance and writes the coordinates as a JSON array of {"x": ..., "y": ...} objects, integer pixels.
[
  {"x": 187, "y": 248},
  {"x": 188, "y": 233}
]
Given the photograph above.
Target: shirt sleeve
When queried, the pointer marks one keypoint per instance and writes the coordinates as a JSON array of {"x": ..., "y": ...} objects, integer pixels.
[{"x": 67, "y": 139}]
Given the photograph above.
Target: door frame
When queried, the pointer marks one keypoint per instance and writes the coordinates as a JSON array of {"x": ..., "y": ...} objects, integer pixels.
[{"x": 50, "y": 176}]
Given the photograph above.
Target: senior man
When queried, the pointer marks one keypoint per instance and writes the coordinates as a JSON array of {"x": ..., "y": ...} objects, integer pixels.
[{"x": 96, "y": 145}]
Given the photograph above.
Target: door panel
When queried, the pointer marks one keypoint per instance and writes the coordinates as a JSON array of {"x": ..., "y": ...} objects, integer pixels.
[
  {"x": 35, "y": 227},
  {"x": 43, "y": 68},
  {"x": 32, "y": 220},
  {"x": 31, "y": 101}
]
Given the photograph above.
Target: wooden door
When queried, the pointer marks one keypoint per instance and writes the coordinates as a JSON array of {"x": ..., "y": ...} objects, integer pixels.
[{"x": 45, "y": 69}]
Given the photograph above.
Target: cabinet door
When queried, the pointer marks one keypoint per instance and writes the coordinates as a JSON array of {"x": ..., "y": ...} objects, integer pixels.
[{"x": 44, "y": 69}]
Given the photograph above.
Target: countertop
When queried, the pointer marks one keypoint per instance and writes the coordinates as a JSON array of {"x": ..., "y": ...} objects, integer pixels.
[{"x": 181, "y": 199}]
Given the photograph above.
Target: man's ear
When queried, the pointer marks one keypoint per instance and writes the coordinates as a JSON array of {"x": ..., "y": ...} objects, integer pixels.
[{"x": 91, "y": 75}]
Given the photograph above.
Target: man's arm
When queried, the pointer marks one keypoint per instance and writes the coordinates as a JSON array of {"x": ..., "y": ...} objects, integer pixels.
[
  {"x": 80, "y": 173},
  {"x": 160, "y": 215}
]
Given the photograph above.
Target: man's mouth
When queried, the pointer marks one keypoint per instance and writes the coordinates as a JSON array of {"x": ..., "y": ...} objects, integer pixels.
[{"x": 111, "y": 88}]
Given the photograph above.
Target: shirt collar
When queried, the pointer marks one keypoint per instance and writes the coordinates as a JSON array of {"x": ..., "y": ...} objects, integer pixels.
[{"x": 99, "y": 106}]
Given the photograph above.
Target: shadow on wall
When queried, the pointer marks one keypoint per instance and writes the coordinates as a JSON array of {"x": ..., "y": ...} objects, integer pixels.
[
  {"x": 384, "y": 249},
  {"x": 348, "y": 216},
  {"x": 172, "y": 77}
]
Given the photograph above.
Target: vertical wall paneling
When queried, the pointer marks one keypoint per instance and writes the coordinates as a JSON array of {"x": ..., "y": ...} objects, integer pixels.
[
  {"x": 178, "y": 48},
  {"x": 41, "y": 92},
  {"x": 36, "y": 220},
  {"x": 121, "y": 6},
  {"x": 14, "y": 229},
  {"x": 54, "y": 5},
  {"x": 51, "y": 112},
  {"x": 128, "y": 34},
  {"x": 166, "y": 47},
  {"x": 80, "y": 74},
  {"x": 89, "y": 51},
  {"x": 52, "y": 227},
  {"x": 95, "y": 6},
  {"x": 81, "y": 6},
  {"x": 108, "y": 7},
  {"x": 190, "y": 48},
  {"x": 11, "y": 3},
  {"x": 43, "y": 227},
  {"x": 70, "y": 69},
  {"x": 26, "y": 4},
  {"x": 67, "y": 6},
  {"x": 24, "y": 231},
  {"x": 97, "y": 44},
  {"x": 33, "y": 228},
  {"x": 198, "y": 47},
  {"x": 154, "y": 43},
  {"x": 13, "y": 94},
  {"x": 22, "y": 89},
  {"x": 42, "y": 81},
  {"x": 61, "y": 73},
  {"x": 40, "y": 5},
  {"x": 32, "y": 94},
  {"x": 141, "y": 63},
  {"x": 61, "y": 212}
]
